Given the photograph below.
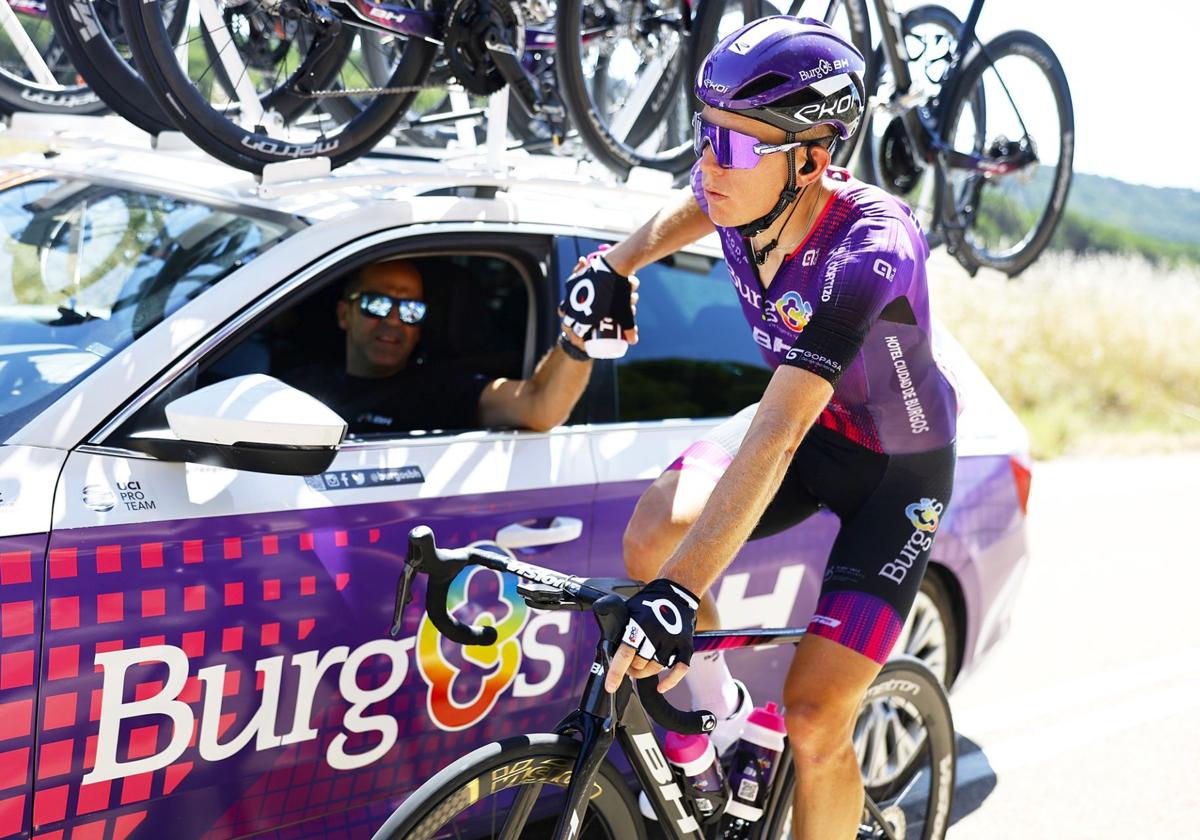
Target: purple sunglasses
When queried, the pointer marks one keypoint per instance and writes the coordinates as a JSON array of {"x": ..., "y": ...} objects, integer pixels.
[{"x": 732, "y": 149}]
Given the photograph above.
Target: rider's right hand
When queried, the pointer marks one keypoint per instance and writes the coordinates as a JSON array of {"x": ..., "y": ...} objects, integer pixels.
[{"x": 595, "y": 292}]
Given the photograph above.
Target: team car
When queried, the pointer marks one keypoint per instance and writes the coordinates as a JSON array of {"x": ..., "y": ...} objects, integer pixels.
[{"x": 197, "y": 568}]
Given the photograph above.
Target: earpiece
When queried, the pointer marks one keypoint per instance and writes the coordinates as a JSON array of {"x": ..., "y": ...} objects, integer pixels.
[{"x": 809, "y": 165}]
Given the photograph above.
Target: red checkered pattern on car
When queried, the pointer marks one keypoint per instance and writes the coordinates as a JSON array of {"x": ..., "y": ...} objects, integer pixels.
[{"x": 115, "y": 596}]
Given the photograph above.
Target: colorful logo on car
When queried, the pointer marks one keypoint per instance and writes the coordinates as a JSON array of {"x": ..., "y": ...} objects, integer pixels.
[
  {"x": 794, "y": 310},
  {"x": 465, "y": 682},
  {"x": 924, "y": 514}
]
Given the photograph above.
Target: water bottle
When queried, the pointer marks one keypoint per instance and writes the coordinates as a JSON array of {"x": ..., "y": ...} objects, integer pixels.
[
  {"x": 755, "y": 760},
  {"x": 696, "y": 756},
  {"x": 605, "y": 341}
]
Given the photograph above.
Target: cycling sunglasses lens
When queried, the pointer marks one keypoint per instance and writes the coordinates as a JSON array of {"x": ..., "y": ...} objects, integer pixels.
[
  {"x": 412, "y": 311},
  {"x": 732, "y": 149},
  {"x": 380, "y": 306}
]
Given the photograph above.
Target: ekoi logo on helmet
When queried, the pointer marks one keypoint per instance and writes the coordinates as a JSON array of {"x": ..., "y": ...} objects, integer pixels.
[
  {"x": 795, "y": 311},
  {"x": 924, "y": 514}
]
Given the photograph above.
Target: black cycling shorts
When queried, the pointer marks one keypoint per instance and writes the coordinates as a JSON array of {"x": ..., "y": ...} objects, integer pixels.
[{"x": 890, "y": 507}]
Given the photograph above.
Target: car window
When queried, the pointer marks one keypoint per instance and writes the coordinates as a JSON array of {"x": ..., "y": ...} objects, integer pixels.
[
  {"x": 694, "y": 356},
  {"x": 474, "y": 330},
  {"x": 86, "y": 268}
]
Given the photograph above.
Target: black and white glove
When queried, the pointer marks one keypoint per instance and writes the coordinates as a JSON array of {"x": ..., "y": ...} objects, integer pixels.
[
  {"x": 662, "y": 621},
  {"x": 595, "y": 293}
]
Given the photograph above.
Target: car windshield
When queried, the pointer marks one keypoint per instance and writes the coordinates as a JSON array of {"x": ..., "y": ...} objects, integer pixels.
[{"x": 86, "y": 268}]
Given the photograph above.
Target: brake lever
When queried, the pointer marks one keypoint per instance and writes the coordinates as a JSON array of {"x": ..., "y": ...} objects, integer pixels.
[{"x": 404, "y": 595}]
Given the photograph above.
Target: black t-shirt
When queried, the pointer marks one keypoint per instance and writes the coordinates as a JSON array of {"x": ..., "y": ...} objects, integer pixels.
[{"x": 423, "y": 397}]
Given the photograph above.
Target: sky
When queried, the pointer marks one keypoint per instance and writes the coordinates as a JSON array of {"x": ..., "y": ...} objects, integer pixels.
[{"x": 1132, "y": 70}]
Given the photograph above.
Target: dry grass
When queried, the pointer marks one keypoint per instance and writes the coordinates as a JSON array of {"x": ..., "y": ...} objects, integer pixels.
[{"x": 1094, "y": 354}]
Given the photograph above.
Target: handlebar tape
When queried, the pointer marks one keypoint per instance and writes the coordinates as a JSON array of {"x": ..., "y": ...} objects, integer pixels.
[{"x": 683, "y": 721}]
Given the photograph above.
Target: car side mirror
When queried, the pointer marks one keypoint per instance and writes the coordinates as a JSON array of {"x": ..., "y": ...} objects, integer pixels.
[{"x": 253, "y": 422}]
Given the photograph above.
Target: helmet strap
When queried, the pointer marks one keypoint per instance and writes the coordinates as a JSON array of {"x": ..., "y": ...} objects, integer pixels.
[{"x": 789, "y": 196}]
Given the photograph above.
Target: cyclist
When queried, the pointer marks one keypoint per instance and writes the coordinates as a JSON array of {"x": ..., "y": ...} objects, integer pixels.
[{"x": 857, "y": 417}]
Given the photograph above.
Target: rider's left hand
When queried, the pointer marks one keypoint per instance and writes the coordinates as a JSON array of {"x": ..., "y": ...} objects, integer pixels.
[{"x": 662, "y": 621}]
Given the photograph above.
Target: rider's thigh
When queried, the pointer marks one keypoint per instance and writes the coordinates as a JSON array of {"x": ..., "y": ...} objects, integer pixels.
[
  {"x": 663, "y": 515},
  {"x": 825, "y": 685}
]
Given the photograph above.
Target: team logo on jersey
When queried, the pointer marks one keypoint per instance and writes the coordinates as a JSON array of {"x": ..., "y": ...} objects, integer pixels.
[
  {"x": 885, "y": 270},
  {"x": 794, "y": 310},
  {"x": 924, "y": 514},
  {"x": 810, "y": 257}
]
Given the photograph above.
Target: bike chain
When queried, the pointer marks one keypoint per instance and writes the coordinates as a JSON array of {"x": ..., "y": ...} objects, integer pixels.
[{"x": 382, "y": 91}]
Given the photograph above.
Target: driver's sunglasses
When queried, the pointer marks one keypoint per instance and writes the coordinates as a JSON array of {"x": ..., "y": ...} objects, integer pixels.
[
  {"x": 378, "y": 305},
  {"x": 732, "y": 149}
]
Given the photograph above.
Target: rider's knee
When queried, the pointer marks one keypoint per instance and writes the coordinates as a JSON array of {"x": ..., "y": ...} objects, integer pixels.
[{"x": 818, "y": 729}]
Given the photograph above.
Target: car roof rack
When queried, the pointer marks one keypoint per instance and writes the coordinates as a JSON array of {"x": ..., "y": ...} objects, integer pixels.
[{"x": 491, "y": 167}]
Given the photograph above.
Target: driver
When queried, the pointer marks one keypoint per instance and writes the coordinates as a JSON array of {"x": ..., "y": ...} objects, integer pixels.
[{"x": 380, "y": 386}]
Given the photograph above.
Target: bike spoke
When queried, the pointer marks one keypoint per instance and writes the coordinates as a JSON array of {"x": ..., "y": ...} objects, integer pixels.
[
  {"x": 231, "y": 61},
  {"x": 518, "y": 815}
]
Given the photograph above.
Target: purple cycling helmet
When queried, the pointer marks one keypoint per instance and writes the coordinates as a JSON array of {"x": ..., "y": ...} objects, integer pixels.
[{"x": 792, "y": 73}]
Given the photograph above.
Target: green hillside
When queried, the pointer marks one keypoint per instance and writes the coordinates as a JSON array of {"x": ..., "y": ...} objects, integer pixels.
[
  {"x": 1107, "y": 216},
  {"x": 1168, "y": 214}
]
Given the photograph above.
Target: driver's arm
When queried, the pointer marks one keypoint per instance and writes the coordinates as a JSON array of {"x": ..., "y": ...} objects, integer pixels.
[{"x": 541, "y": 402}]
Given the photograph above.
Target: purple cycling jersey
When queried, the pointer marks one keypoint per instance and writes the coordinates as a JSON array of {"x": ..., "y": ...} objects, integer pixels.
[{"x": 851, "y": 304}]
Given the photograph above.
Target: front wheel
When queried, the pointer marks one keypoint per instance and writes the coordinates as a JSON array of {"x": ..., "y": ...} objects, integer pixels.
[
  {"x": 263, "y": 82},
  {"x": 475, "y": 796},
  {"x": 904, "y": 741},
  {"x": 1001, "y": 211}
]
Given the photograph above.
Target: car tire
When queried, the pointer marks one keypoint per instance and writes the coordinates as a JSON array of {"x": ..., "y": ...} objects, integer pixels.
[{"x": 931, "y": 632}]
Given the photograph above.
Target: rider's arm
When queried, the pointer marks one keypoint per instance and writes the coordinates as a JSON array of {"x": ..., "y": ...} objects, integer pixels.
[
  {"x": 676, "y": 225},
  {"x": 793, "y": 400},
  {"x": 541, "y": 402}
]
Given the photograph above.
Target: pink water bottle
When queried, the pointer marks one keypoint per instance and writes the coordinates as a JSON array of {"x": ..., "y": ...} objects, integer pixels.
[
  {"x": 697, "y": 758},
  {"x": 755, "y": 760}
]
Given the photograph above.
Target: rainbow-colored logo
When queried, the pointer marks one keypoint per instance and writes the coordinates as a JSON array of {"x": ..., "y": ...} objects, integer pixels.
[
  {"x": 794, "y": 311},
  {"x": 924, "y": 514},
  {"x": 480, "y": 672}
]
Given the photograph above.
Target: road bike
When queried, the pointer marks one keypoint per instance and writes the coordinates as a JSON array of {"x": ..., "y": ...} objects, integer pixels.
[
  {"x": 615, "y": 113},
  {"x": 314, "y": 87},
  {"x": 623, "y": 67},
  {"x": 563, "y": 785},
  {"x": 36, "y": 73},
  {"x": 977, "y": 138}
]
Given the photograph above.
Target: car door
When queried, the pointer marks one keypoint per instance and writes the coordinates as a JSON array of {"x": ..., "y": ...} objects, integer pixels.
[
  {"x": 695, "y": 364},
  {"x": 218, "y": 651}
]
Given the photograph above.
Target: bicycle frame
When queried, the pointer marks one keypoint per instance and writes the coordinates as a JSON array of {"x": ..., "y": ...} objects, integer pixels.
[
  {"x": 634, "y": 733},
  {"x": 601, "y": 718}
]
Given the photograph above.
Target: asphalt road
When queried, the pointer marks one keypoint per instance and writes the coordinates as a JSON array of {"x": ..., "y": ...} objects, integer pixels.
[{"x": 1085, "y": 721}]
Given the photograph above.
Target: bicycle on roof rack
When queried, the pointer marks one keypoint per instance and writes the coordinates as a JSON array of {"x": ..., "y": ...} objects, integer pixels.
[
  {"x": 264, "y": 81},
  {"x": 562, "y": 785},
  {"x": 977, "y": 138}
]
